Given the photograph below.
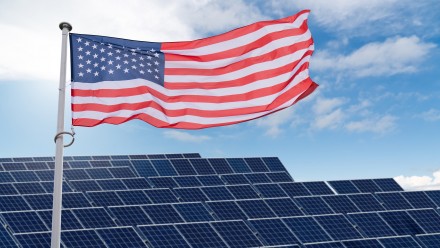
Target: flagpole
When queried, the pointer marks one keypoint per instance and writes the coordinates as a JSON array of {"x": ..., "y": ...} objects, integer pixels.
[{"x": 58, "y": 177}]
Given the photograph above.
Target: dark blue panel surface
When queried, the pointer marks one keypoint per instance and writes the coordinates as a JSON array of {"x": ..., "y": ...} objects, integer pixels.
[
  {"x": 270, "y": 190},
  {"x": 344, "y": 187},
  {"x": 99, "y": 173},
  {"x": 163, "y": 182},
  {"x": 210, "y": 180},
  {"x": 226, "y": 210},
  {"x": 221, "y": 166},
  {"x": 162, "y": 214},
  {"x": 122, "y": 172},
  {"x": 187, "y": 181},
  {"x": 81, "y": 239},
  {"x": 183, "y": 167},
  {"x": 202, "y": 166},
  {"x": 232, "y": 179},
  {"x": 402, "y": 223},
  {"x": 193, "y": 212},
  {"x": 366, "y": 186},
  {"x": 105, "y": 198},
  {"x": 190, "y": 194},
  {"x": 258, "y": 178},
  {"x": 136, "y": 183},
  {"x": 29, "y": 188},
  {"x": 164, "y": 167},
  {"x": 418, "y": 199},
  {"x": 279, "y": 177},
  {"x": 371, "y": 225},
  {"x": 306, "y": 229},
  {"x": 111, "y": 184},
  {"x": 237, "y": 234},
  {"x": 93, "y": 217},
  {"x": 295, "y": 189},
  {"x": 217, "y": 193},
  {"x": 68, "y": 220},
  {"x": 338, "y": 227},
  {"x": 75, "y": 200},
  {"x": 256, "y": 209},
  {"x": 161, "y": 195},
  {"x": 387, "y": 184},
  {"x": 274, "y": 164},
  {"x": 29, "y": 240},
  {"x": 318, "y": 188},
  {"x": 256, "y": 164},
  {"x": 340, "y": 204},
  {"x": 274, "y": 232},
  {"x": 200, "y": 235},
  {"x": 370, "y": 243},
  {"x": 85, "y": 185},
  {"x": 76, "y": 174},
  {"x": 313, "y": 205},
  {"x": 13, "y": 203},
  {"x": 366, "y": 202},
  {"x": 165, "y": 236},
  {"x": 429, "y": 240},
  {"x": 238, "y": 165},
  {"x": 283, "y": 207},
  {"x": 243, "y": 192},
  {"x": 40, "y": 201},
  {"x": 121, "y": 237},
  {"x": 24, "y": 222},
  {"x": 144, "y": 168},
  {"x": 24, "y": 176},
  {"x": 399, "y": 242},
  {"x": 428, "y": 219},
  {"x": 7, "y": 189},
  {"x": 130, "y": 215},
  {"x": 394, "y": 201},
  {"x": 133, "y": 197}
]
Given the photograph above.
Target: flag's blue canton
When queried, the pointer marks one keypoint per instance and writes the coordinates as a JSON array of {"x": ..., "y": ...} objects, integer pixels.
[{"x": 97, "y": 58}]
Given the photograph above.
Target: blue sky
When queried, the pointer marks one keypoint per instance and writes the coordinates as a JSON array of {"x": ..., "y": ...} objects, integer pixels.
[{"x": 375, "y": 114}]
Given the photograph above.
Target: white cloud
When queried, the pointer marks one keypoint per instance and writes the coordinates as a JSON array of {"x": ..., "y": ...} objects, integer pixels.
[
  {"x": 393, "y": 56},
  {"x": 186, "y": 137},
  {"x": 331, "y": 120},
  {"x": 379, "y": 125},
  {"x": 325, "y": 105},
  {"x": 273, "y": 122},
  {"x": 430, "y": 115},
  {"x": 420, "y": 182}
]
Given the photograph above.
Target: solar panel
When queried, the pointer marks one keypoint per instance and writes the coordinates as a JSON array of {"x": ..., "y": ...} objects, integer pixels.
[
  {"x": 163, "y": 182},
  {"x": 210, "y": 180},
  {"x": 75, "y": 200},
  {"x": 130, "y": 215},
  {"x": 429, "y": 240},
  {"x": 105, "y": 198},
  {"x": 283, "y": 207},
  {"x": 157, "y": 156},
  {"x": 418, "y": 199},
  {"x": 183, "y": 167},
  {"x": 366, "y": 202},
  {"x": 295, "y": 189},
  {"x": 387, "y": 184},
  {"x": 256, "y": 164},
  {"x": 39, "y": 202},
  {"x": 82, "y": 158},
  {"x": 256, "y": 209},
  {"x": 306, "y": 229},
  {"x": 371, "y": 225},
  {"x": 200, "y": 235},
  {"x": 313, "y": 205},
  {"x": 434, "y": 195},
  {"x": 164, "y": 167},
  {"x": 144, "y": 168},
  {"x": 202, "y": 166},
  {"x": 242, "y": 191},
  {"x": 273, "y": 232},
  {"x": 111, "y": 184},
  {"x": 237, "y": 164},
  {"x": 220, "y": 166},
  {"x": 190, "y": 194},
  {"x": 79, "y": 164},
  {"x": 7, "y": 189},
  {"x": 139, "y": 156},
  {"x": 257, "y": 178},
  {"x": 85, "y": 185},
  {"x": 133, "y": 197},
  {"x": 122, "y": 172},
  {"x": 161, "y": 195},
  {"x": 338, "y": 227},
  {"x": 48, "y": 187},
  {"x": 270, "y": 190},
  {"x": 193, "y": 212},
  {"x": 279, "y": 177},
  {"x": 5, "y": 177},
  {"x": 101, "y": 157},
  {"x": 371, "y": 243},
  {"x": 318, "y": 188},
  {"x": 13, "y": 203},
  {"x": 191, "y": 155},
  {"x": 165, "y": 236},
  {"x": 340, "y": 204},
  {"x": 29, "y": 188},
  {"x": 99, "y": 173},
  {"x": 120, "y": 237},
  {"x": 174, "y": 155},
  {"x": 13, "y": 166},
  {"x": 187, "y": 181},
  {"x": 236, "y": 234},
  {"x": 121, "y": 163},
  {"x": 135, "y": 183},
  {"x": 428, "y": 219},
  {"x": 45, "y": 175},
  {"x": 29, "y": 240},
  {"x": 68, "y": 220},
  {"x": 344, "y": 187},
  {"x": 217, "y": 193},
  {"x": 24, "y": 222},
  {"x": 325, "y": 245},
  {"x": 24, "y": 176},
  {"x": 394, "y": 201},
  {"x": 232, "y": 179},
  {"x": 100, "y": 163},
  {"x": 36, "y": 166},
  {"x": 226, "y": 210},
  {"x": 81, "y": 238},
  {"x": 366, "y": 186},
  {"x": 93, "y": 217},
  {"x": 162, "y": 214},
  {"x": 401, "y": 222},
  {"x": 399, "y": 242},
  {"x": 274, "y": 164}
]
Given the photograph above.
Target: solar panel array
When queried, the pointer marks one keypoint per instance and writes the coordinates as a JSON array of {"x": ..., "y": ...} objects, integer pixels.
[{"x": 183, "y": 200}]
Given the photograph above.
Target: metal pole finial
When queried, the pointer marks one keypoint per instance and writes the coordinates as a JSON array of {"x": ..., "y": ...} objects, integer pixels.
[{"x": 65, "y": 25}]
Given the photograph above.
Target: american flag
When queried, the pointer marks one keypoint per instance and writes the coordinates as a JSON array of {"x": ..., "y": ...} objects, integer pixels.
[{"x": 237, "y": 76}]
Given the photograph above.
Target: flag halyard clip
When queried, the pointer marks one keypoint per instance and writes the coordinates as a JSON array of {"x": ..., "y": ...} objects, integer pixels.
[{"x": 72, "y": 134}]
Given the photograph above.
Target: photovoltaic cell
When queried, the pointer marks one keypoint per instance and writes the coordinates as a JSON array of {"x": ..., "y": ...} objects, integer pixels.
[
  {"x": 274, "y": 164},
  {"x": 163, "y": 182},
  {"x": 256, "y": 164},
  {"x": 45, "y": 175},
  {"x": 30, "y": 240},
  {"x": 174, "y": 155},
  {"x": 121, "y": 237},
  {"x": 93, "y": 217},
  {"x": 279, "y": 177},
  {"x": 257, "y": 178},
  {"x": 75, "y": 200},
  {"x": 387, "y": 184},
  {"x": 13, "y": 166},
  {"x": 418, "y": 199},
  {"x": 120, "y": 163},
  {"x": 187, "y": 181},
  {"x": 226, "y": 210},
  {"x": 165, "y": 236},
  {"x": 221, "y": 166},
  {"x": 133, "y": 197},
  {"x": 340, "y": 204},
  {"x": 5, "y": 177},
  {"x": 428, "y": 219},
  {"x": 202, "y": 166},
  {"x": 399, "y": 242},
  {"x": 130, "y": 215},
  {"x": 101, "y": 157},
  {"x": 36, "y": 166},
  {"x": 190, "y": 194},
  {"x": 232, "y": 179},
  {"x": 366, "y": 186},
  {"x": 366, "y": 202},
  {"x": 161, "y": 195},
  {"x": 85, "y": 185},
  {"x": 157, "y": 156},
  {"x": 193, "y": 212},
  {"x": 162, "y": 214},
  {"x": 13, "y": 203},
  {"x": 29, "y": 188},
  {"x": 394, "y": 201},
  {"x": 24, "y": 222},
  {"x": 122, "y": 172},
  {"x": 325, "y": 245},
  {"x": 105, "y": 198},
  {"x": 81, "y": 238},
  {"x": 434, "y": 195},
  {"x": 313, "y": 205},
  {"x": 283, "y": 207},
  {"x": 68, "y": 220},
  {"x": 200, "y": 235},
  {"x": 371, "y": 225},
  {"x": 270, "y": 190},
  {"x": 217, "y": 193},
  {"x": 7, "y": 189},
  {"x": 191, "y": 155},
  {"x": 164, "y": 167},
  {"x": 338, "y": 227},
  {"x": 139, "y": 156},
  {"x": 144, "y": 168},
  {"x": 429, "y": 240},
  {"x": 242, "y": 192},
  {"x": 111, "y": 184},
  {"x": 40, "y": 201},
  {"x": 318, "y": 188},
  {"x": 295, "y": 189},
  {"x": 306, "y": 229},
  {"x": 183, "y": 167},
  {"x": 401, "y": 222},
  {"x": 79, "y": 164},
  {"x": 210, "y": 180},
  {"x": 256, "y": 209},
  {"x": 99, "y": 173},
  {"x": 371, "y": 243},
  {"x": 344, "y": 187},
  {"x": 236, "y": 234},
  {"x": 100, "y": 163},
  {"x": 26, "y": 159},
  {"x": 135, "y": 183},
  {"x": 24, "y": 176},
  {"x": 273, "y": 231},
  {"x": 238, "y": 165}
]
